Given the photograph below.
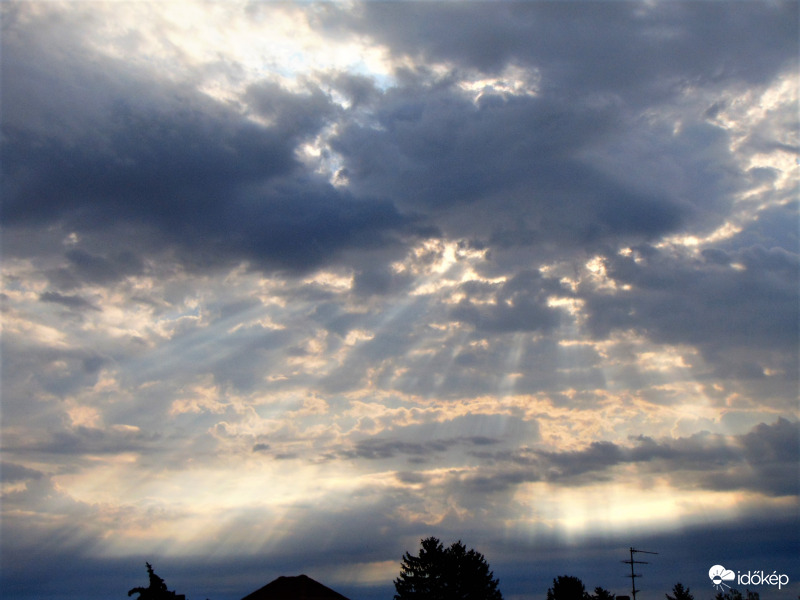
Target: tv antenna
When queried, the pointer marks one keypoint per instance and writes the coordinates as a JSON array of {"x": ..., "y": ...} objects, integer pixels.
[{"x": 632, "y": 562}]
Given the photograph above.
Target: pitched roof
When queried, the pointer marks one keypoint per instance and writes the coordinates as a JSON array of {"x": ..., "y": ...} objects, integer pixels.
[{"x": 300, "y": 587}]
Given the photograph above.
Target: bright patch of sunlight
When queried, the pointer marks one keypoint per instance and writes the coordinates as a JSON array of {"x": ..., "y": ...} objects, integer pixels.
[
  {"x": 596, "y": 272},
  {"x": 572, "y": 305},
  {"x": 268, "y": 41},
  {"x": 513, "y": 81},
  {"x": 337, "y": 282},
  {"x": 607, "y": 507},
  {"x": 83, "y": 416},
  {"x": 661, "y": 361}
]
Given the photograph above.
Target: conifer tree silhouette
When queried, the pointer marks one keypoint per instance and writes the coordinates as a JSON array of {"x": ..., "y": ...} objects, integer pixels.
[
  {"x": 567, "y": 587},
  {"x": 439, "y": 573},
  {"x": 680, "y": 593},
  {"x": 602, "y": 594}
]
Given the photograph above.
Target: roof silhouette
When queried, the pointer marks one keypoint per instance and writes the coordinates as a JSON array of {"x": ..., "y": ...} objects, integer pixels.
[{"x": 300, "y": 587}]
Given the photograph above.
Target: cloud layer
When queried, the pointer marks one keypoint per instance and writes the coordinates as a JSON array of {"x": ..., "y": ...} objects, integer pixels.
[{"x": 298, "y": 285}]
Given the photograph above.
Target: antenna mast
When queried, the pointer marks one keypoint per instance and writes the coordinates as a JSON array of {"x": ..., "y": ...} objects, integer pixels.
[{"x": 634, "y": 575}]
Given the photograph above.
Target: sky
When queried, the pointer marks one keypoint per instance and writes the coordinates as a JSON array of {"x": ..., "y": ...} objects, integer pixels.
[{"x": 288, "y": 287}]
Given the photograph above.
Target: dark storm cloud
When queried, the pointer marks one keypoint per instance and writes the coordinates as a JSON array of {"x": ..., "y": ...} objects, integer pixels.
[
  {"x": 291, "y": 115},
  {"x": 134, "y": 161},
  {"x": 505, "y": 171},
  {"x": 84, "y": 267},
  {"x": 120, "y": 146},
  {"x": 225, "y": 197},
  {"x": 636, "y": 50},
  {"x": 195, "y": 173},
  {"x": 516, "y": 170}
]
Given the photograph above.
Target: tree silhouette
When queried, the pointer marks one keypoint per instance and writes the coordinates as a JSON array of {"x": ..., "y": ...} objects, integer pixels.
[
  {"x": 567, "y": 587},
  {"x": 602, "y": 594},
  {"x": 157, "y": 590},
  {"x": 440, "y": 573},
  {"x": 680, "y": 593}
]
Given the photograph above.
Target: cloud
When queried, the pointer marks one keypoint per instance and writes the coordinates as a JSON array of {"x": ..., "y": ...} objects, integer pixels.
[
  {"x": 421, "y": 442},
  {"x": 46, "y": 369},
  {"x": 738, "y": 308},
  {"x": 191, "y": 172},
  {"x": 296, "y": 286},
  {"x": 204, "y": 176},
  {"x": 84, "y": 267},
  {"x": 512, "y": 164},
  {"x": 12, "y": 472},
  {"x": 75, "y": 302},
  {"x": 84, "y": 441},
  {"x": 626, "y": 50},
  {"x": 758, "y": 460},
  {"x": 532, "y": 169},
  {"x": 521, "y": 304}
]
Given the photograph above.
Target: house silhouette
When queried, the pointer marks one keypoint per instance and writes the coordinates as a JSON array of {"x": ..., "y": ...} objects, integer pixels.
[{"x": 300, "y": 587}]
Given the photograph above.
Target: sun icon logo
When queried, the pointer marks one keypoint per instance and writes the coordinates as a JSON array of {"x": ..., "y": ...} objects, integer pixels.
[{"x": 719, "y": 574}]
